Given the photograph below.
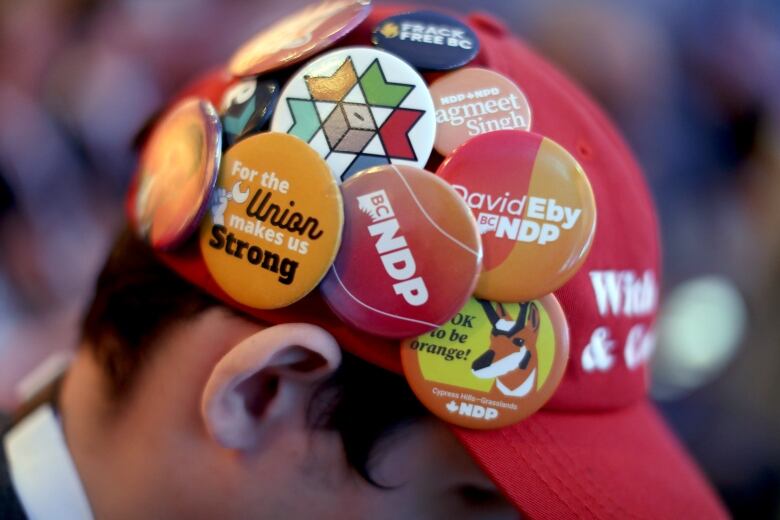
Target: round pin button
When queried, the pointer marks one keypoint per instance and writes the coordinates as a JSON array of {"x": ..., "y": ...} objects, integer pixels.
[
  {"x": 427, "y": 39},
  {"x": 177, "y": 172},
  {"x": 410, "y": 255},
  {"x": 246, "y": 108},
  {"x": 474, "y": 101},
  {"x": 359, "y": 107},
  {"x": 298, "y": 36},
  {"x": 274, "y": 223},
  {"x": 492, "y": 364},
  {"x": 534, "y": 208}
]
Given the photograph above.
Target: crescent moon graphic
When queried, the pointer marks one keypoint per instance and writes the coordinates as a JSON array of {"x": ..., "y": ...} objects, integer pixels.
[{"x": 238, "y": 195}]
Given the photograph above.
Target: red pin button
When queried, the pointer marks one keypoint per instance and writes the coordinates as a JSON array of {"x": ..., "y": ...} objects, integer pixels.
[
  {"x": 410, "y": 254},
  {"x": 534, "y": 207}
]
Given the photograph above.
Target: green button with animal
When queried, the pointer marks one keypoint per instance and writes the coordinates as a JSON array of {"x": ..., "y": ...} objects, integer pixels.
[{"x": 492, "y": 364}]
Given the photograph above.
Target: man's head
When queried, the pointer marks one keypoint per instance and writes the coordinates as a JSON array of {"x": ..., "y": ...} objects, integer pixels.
[
  {"x": 225, "y": 409},
  {"x": 200, "y": 411}
]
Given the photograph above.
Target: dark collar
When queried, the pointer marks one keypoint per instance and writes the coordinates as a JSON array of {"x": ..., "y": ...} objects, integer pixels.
[{"x": 10, "y": 507}]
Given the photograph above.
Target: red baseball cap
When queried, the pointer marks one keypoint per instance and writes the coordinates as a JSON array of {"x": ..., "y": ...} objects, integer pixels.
[{"x": 598, "y": 448}]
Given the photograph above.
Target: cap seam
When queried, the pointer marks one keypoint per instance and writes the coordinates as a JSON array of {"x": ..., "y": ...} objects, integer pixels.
[
  {"x": 560, "y": 449},
  {"x": 583, "y": 495}
]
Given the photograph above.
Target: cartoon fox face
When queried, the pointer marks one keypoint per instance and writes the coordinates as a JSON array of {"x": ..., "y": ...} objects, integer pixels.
[{"x": 511, "y": 358}]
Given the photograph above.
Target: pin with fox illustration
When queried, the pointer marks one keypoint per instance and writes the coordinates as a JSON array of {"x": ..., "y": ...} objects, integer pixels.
[{"x": 493, "y": 364}]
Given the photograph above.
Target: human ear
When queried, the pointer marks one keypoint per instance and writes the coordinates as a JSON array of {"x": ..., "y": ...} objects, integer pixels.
[{"x": 265, "y": 382}]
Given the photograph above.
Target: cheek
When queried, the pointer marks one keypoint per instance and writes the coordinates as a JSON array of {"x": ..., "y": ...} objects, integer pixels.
[
  {"x": 286, "y": 481},
  {"x": 319, "y": 483}
]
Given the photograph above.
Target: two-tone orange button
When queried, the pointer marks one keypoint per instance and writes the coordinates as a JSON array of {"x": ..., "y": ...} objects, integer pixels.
[
  {"x": 492, "y": 364},
  {"x": 274, "y": 222},
  {"x": 534, "y": 208}
]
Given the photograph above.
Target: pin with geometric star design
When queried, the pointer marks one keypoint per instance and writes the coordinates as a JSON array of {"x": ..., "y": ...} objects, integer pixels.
[{"x": 359, "y": 107}]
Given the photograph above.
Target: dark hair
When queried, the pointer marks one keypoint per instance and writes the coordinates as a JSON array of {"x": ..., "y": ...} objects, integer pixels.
[
  {"x": 366, "y": 405},
  {"x": 7, "y": 201},
  {"x": 137, "y": 299}
]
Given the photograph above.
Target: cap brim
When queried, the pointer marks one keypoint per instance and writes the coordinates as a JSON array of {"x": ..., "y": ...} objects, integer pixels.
[{"x": 618, "y": 464}]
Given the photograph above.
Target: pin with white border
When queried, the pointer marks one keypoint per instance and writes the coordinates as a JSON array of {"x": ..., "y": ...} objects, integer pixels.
[{"x": 359, "y": 107}]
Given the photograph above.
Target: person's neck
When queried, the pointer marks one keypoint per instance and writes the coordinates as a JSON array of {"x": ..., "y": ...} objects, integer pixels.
[{"x": 105, "y": 445}]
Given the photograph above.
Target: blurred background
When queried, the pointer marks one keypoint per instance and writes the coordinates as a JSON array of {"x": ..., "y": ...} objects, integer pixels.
[{"x": 694, "y": 86}]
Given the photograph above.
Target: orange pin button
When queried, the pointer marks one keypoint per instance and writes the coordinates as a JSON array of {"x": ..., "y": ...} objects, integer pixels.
[
  {"x": 492, "y": 365},
  {"x": 177, "y": 172},
  {"x": 274, "y": 223}
]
